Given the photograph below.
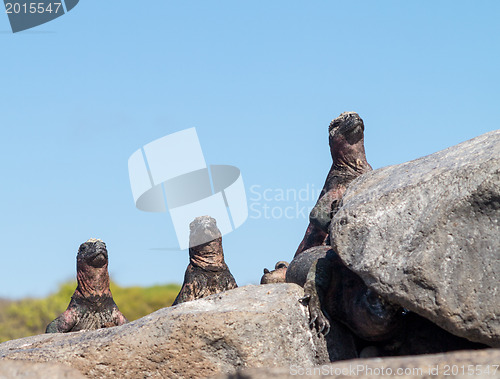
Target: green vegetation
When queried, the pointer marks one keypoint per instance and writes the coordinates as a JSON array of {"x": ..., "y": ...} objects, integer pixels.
[{"x": 29, "y": 317}]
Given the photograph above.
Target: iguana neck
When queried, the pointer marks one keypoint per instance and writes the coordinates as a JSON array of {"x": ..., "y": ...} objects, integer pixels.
[
  {"x": 208, "y": 256},
  {"x": 92, "y": 281}
]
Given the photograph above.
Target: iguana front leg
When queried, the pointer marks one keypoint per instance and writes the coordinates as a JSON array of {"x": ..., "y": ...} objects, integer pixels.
[
  {"x": 64, "y": 323},
  {"x": 320, "y": 218},
  {"x": 326, "y": 206},
  {"x": 187, "y": 293},
  {"x": 317, "y": 282},
  {"x": 118, "y": 317}
]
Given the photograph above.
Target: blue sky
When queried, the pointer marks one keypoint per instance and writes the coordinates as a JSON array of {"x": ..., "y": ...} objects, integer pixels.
[{"x": 259, "y": 80}]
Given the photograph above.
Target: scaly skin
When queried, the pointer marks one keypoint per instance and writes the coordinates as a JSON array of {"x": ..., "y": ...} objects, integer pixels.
[
  {"x": 275, "y": 276},
  {"x": 333, "y": 291},
  {"x": 346, "y": 139},
  {"x": 91, "y": 306},
  {"x": 207, "y": 273}
]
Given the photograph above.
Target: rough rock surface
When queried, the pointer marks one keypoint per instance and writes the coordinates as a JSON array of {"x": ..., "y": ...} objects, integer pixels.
[
  {"x": 464, "y": 364},
  {"x": 29, "y": 370},
  {"x": 251, "y": 326},
  {"x": 426, "y": 235}
]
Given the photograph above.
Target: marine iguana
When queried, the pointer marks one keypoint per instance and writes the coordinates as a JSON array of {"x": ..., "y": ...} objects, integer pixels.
[
  {"x": 275, "y": 276},
  {"x": 92, "y": 305},
  {"x": 346, "y": 139},
  {"x": 207, "y": 273},
  {"x": 331, "y": 289},
  {"x": 334, "y": 293}
]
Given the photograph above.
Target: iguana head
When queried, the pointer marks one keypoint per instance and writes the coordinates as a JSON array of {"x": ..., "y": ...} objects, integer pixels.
[
  {"x": 347, "y": 142},
  {"x": 278, "y": 275},
  {"x": 205, "y": 244},
  {"x": 349, "y": 126},
  {"x": 92, "y": 269},
  {"x": 93, "y": 253}
]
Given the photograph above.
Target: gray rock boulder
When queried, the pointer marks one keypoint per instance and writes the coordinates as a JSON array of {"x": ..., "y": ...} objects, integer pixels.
[
  {"x": 252, "y": 326},
  {"x": 426, "y": 234},
  {"x": 464, "y": 364},
  {"x": 29, "y": 370}
]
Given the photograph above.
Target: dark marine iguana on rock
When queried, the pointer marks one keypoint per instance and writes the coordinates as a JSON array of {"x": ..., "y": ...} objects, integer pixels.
[
  {"x": 275, "y": 276},
  {"x": 331, "y": 289},
  {"x": 347, "y": 148},
  {"x": 92, "y": 305},
  {"x": 207, "y": 273}
]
